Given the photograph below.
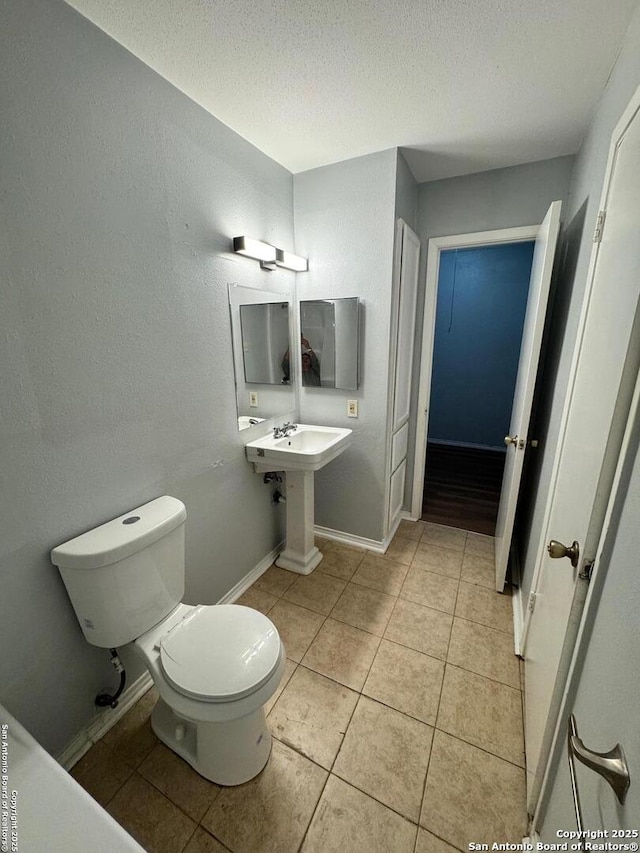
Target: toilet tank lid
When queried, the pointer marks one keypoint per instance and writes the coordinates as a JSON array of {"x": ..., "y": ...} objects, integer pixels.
[{"x": 121, "y": 537}]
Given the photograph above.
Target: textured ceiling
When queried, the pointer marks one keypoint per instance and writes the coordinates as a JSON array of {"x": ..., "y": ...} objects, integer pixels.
[{"x": 465, "y": 85}]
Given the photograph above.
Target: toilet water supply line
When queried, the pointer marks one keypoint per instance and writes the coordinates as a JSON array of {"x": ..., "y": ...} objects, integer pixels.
[{"x": 104, "y": 700}]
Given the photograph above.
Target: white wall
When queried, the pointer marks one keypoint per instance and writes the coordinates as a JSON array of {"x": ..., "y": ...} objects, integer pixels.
[
  {"x": 344, "y": 223},
  {"x": 579, "y": 218},
  {"x": 118, "y": 200}
]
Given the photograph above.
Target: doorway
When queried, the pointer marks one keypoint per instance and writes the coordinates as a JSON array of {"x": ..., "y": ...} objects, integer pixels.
[{"x": 481, "y": 303}]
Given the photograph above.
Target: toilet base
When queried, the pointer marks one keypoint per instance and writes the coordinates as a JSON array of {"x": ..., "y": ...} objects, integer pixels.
[{"x": 227, "y": 753}]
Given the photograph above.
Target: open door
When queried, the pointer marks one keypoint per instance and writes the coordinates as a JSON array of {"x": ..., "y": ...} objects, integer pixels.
[{"x": 516, "y": 441}]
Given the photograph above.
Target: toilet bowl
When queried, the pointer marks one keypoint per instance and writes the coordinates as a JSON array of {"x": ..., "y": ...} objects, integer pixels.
[
  {"x": 214, "y": 666},
  {"x": 211, "y": 706}
]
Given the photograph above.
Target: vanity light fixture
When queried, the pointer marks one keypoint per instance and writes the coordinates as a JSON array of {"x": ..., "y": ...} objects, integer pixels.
[
  {"x": 291, "y": 262},
  {"x": 270, "y": 258}
]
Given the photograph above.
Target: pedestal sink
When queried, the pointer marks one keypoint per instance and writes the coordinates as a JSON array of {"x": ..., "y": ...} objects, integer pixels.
[{"x": 299, "y": 454}]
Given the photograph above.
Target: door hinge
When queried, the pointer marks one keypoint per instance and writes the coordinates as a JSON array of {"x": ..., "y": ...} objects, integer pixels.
[
  {"x": 587, "y": 570},
  {"x": 532, "y": 602},
  {"x": 597, "y": 234}
]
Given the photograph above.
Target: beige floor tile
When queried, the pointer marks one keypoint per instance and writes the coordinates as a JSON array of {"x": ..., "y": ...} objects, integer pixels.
[
  {"x": 381, "y": 574},
  {"x": 343, "y": 653},
  {"x": 483, "y": 546},
  {"x": 150, "y": 817},
  {"x": 202, "y": 842},
  {"x": 472, "y": 796},
  {"x": 132, "y": 737},
  {"x": 484, "y": 651},
  {"x": 442, "y": 561},
  {"x": 275, "y": 581},
  {"x": 312, "y": 715},
  {"x": 444, "y": 537},
  {"x": 385, "y": 754},
  {"x": 401, "y": 549},
  {"x": 485, "y": 606},
  {"x": 429, "y": 843},
  {"x": 320, "y": 542},
  {"x": 411, "y": 529},
  {"x": 289, "y": 668},
  {"x": 348, "y": 820},
  {"x": 482, "y": 712},
  {"x": 178, "y": 781},
  {"x": 101, "y": 772},
  {"x": 297, "y": 627},
  {"x": 479, "y": 570},
  {"x": 430, "y": 589},
  {"x": 364, "y": 608},
  {"x": 421, "y": 628},
  {"x": 340, "y": 561},
  {"x": 316, "y": 591},
  {"x": 272, "y": 811},
  {"x": 406, "y": 680},
  {"x": 522, "y": 676},
  {"x": 257, "y": 599}
]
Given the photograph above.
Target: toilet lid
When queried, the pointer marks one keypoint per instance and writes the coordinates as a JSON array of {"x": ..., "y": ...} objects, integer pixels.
[{"x": 220, "y": 653}]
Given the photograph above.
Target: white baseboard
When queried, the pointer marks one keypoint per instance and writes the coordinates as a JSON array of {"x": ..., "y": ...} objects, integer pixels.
[
  {"x": 516, "y": 599},
  {"x": 516, "y": 603},
  {"x": 105, "y": 719},
  {"x": 102, "y": 721},
  {"x": 405, "y": 515},
  {"x": 467, "y": 445},
  {"x": 379, "y": 546},
  {"x": 251, "y": 576}
]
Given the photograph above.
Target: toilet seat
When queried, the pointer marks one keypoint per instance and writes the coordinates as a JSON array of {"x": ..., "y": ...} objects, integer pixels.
[{"x": 220, "y": 653}]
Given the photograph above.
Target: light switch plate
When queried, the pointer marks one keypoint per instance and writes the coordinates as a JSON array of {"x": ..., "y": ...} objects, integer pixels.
[
  {"x": 352, "y": 408},
  {"x": 253, "y": 399}
]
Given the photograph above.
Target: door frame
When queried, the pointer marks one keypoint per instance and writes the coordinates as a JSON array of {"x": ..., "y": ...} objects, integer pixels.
[{"x": 435, "y": 246}]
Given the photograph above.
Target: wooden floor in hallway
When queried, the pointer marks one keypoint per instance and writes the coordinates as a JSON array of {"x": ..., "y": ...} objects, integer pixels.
[
  {"x": 462, "y": 487},
  {"x": 397, "y": 727}
]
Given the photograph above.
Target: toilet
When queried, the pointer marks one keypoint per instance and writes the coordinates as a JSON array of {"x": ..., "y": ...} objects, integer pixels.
[{"x": 213, "y": 666}]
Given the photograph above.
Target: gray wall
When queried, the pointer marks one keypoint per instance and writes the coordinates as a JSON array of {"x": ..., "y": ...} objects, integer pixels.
[
  {"x": 118, "y": 198},
  {"x": 406, "y": 193},
  {"x": 344, "y": 222},
  {"x": 501, "y": 198},
  {"x": 579, "y": 218}
]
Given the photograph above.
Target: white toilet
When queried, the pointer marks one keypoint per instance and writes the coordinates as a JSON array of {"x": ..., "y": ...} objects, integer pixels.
[{"x": 214, "y": 666}]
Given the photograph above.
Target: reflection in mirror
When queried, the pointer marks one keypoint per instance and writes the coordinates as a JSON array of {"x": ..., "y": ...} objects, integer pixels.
[
  {"x": 260, "y": 329},
  {"x": 265, "y": 342},
  {"x": 330, "y": 343}
]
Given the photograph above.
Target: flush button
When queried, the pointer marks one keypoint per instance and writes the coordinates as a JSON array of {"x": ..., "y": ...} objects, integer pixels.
[{"x": 132, "y": 519}]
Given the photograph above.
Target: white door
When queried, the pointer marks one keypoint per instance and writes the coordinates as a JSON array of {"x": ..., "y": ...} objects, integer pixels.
[
  {"x": 541, "y": 270},
  {"x": 597, "y": 403},
  {"x": 604, "y": 687}
]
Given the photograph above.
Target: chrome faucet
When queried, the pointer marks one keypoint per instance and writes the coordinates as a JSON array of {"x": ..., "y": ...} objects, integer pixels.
[{"x": 284, "y": 430}]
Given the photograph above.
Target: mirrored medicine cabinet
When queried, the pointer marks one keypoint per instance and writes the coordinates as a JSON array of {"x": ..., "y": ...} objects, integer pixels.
[{"x": 330, "y": 343}]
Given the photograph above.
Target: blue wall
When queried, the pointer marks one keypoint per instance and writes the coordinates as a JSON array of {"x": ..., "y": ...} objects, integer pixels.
[{"x": 482, "y": 299}]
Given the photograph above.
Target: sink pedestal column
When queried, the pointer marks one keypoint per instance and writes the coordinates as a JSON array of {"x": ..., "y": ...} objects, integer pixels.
[{"x": 300, "y": 554}]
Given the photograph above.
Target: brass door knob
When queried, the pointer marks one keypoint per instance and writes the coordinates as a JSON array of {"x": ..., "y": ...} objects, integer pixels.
[
  {"x": 557, "y": 551},
  {"x": 513, "y": 439}
]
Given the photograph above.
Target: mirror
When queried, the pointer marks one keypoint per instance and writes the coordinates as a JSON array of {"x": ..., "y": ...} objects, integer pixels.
[
  {"x": 330, "y": 343},
  {"x": 265, "y": 342},
  {"x": 260, "y": 330}
]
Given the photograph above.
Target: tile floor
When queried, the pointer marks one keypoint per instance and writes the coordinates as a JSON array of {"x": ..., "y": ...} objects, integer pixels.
[{"x": 397, "y": 726}]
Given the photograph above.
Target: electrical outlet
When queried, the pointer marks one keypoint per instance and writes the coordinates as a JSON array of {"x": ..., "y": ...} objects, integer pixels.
[
  {"x": 253, "y": 399},
  {"x": 352, "y": 408}
]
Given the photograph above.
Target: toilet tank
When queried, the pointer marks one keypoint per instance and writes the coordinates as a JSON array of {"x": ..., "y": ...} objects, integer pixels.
[{"x": 126, "y": 575}]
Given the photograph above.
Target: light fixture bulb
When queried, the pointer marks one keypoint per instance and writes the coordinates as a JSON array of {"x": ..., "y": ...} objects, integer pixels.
[{"x": 289, "y": 261}]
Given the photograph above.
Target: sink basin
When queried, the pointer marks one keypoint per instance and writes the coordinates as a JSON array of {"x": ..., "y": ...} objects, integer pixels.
[{"x": 309, "y": 448}]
